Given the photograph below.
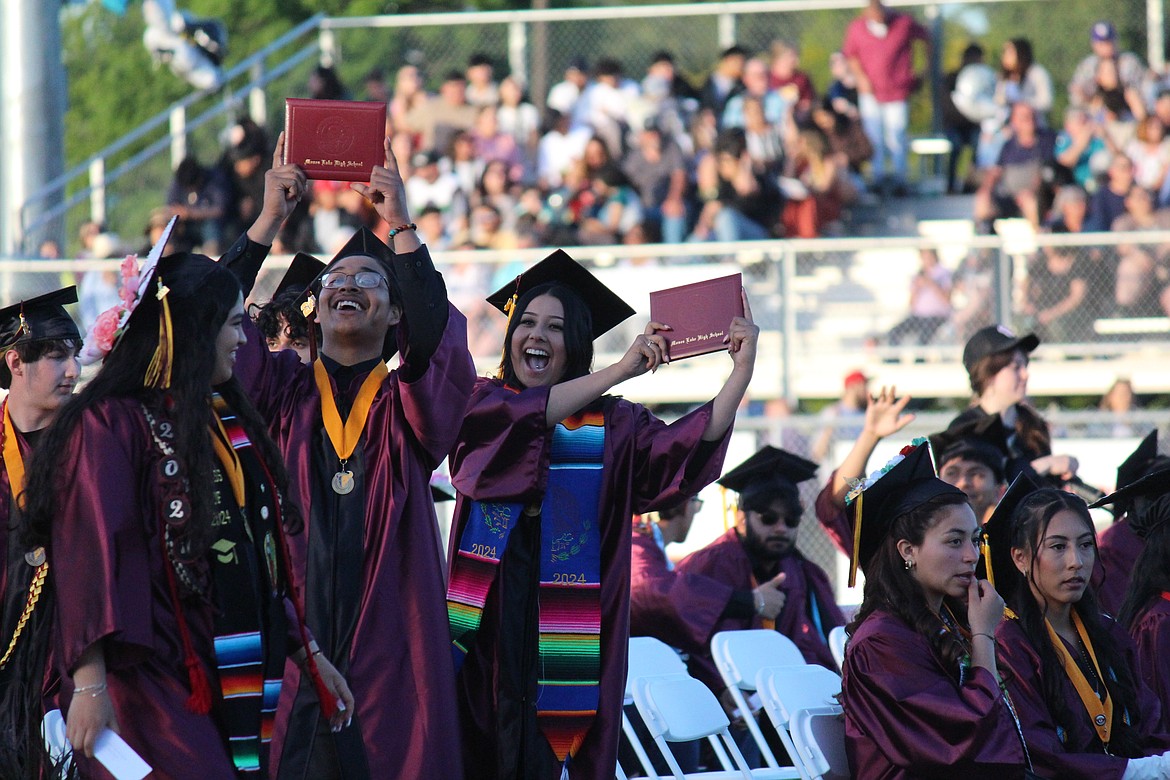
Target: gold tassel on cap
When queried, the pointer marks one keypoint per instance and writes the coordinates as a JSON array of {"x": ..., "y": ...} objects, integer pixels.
[
  {"x": 987, "y": 561},
  {"x": 509, "y": 309},
  {"x": 158, "y": 373},
  {"x": 856, "y": 557}
]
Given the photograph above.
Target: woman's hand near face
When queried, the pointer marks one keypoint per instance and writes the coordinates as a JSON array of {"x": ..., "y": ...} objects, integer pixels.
[{"x": 984, "y": 607}]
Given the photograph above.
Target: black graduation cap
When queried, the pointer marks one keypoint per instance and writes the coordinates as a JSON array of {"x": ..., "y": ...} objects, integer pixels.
[
  {"x": 42, "y": 318},
  {"x": 995, "y": 565},
  {"x": 607, "y": 308},
  {"x": 905, "y": 486},
  {"x": 770, "y": 463},
  {"x": 1146, "y": 499},
  {"x": 302, "y": 272},
  {"x": 983, "y": 440},
  {"x": 1137, "y": 465},
  {"x": 364, "y": 244}
]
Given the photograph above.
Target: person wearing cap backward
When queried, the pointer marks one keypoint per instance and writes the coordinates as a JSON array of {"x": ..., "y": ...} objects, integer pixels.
[
  {"x": 920, "y": 683},
  {"x": 39, "y": 369},
  {"x": 1118, "y": 547},
  {"x": 162, "y": 504},
  {"x": 1145, "y": 613},
  {"x": 549, "y": 471},
  {"x": 759, "y": 556},
  {"x": 281, "y": 320},
  {"x": 361, "y": 442},
  {"x": 997, "y": 367},
  {"x": 1070, "y": 669}
]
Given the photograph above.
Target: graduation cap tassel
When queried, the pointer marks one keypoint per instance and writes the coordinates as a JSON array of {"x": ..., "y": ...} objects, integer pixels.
[
  {"x": 158, "y": 373},
  {"x": 856, "y": 542},
  {"x": 509, "y": 309},
  {"x": 987, "y": 563}
]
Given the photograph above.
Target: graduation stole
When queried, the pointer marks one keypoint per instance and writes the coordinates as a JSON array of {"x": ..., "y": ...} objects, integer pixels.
[
  {"x": 1100, "y": 710},
  {"x": 14, "y": 466},
  {"x": 344, "y": 436},
  {"x": 570, "y": 581},
  {"x": 241, "y": 655}
]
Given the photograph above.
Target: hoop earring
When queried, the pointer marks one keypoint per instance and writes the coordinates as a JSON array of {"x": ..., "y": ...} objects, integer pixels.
[{"x": 909, "y": 564}]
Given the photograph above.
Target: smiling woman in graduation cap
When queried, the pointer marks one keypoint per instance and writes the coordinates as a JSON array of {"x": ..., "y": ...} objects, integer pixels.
[
  {"x": 1070, "y": 670},
  {"x": 549, "y": 471},
  {"x": 919, "y": 684},
  {"x": 161, "y": 502}
]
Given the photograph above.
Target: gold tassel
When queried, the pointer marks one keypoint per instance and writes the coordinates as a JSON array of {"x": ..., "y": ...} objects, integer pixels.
[
  {"x": 726, "y": 506},
  {"x": 987, "y": 561},
  {"x": 509, "y": 309},
  {"x": 856, "y": 557},
  {"x": 158, "y": 373}
]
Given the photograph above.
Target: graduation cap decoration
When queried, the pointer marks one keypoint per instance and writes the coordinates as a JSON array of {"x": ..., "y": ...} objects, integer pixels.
[
  {"x": 137, "y": 285},
  {"x": 995, "y": 565},
  {"x": 983, "y": 440},
  {"x": 607, "y": 309},
  {"x": 1146, "y": 499},
  {"x": 41, "y": 318},
  {"x": 902, "y": 485}
]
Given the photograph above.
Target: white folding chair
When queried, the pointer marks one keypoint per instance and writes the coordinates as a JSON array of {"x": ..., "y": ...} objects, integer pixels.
[
  {"x": 786, "y": 689},
  {"x": 681, "y": 709},
  {"x": 819, "y": 734},
  {"x": 739, "y": 656},
  {"x": 649, "y": 657},
  {"x": 837, "y": 641}
]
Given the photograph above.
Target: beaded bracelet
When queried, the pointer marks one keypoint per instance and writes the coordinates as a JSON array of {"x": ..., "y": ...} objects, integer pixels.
[{"x": 399, "y": 229}]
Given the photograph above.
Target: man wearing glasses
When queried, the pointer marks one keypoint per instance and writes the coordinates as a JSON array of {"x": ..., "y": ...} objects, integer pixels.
[
  {"x": 361, "y": 441},
  {"x": 759, "y": 555}
]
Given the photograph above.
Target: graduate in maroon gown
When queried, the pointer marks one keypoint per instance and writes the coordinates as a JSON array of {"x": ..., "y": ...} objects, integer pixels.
[
  {"x": 1145, "y": 612},
  {"x": 549, "y": 471},
  {"x": 920, "y": 684},
  {"x": 759, "y": 554},
  {"x": 38, "y": 367},
  {"x": 1070, "y": 670},
  {"x": 1118, "y": 546},
  {"x": 678, "y": 608},
  {"x": 161, "y": 499},
  {"x": 361, "y": 442}
]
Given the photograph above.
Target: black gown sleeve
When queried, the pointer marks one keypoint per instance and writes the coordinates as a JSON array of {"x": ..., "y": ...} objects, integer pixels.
[
  {"x": 424, "y": 310},
  {"x": 244, "y": 259}
]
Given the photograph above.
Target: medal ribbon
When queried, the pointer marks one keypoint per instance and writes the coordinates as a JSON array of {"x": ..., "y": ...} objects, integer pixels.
[
  {"x": 13, "y": 462},
  {"x": 1100, "y": 712},
  {"x": 344, "y": 438}
]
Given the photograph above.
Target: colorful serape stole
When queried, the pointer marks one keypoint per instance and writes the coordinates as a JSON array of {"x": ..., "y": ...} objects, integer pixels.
[
  {"x": 243, "y": 561},
  {"x": 570, "y": 581}
]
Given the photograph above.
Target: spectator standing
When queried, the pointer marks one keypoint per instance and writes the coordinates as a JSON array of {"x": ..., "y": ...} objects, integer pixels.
[
  {"x": 879, "y": 47},
  {"x": 1103, "y": 38},
  {"x": 930, "y": 302},
  {"x": 436, "y": 120},
  {"x": 1021, "y": 79},
  {"x": 960, "y": 129}
]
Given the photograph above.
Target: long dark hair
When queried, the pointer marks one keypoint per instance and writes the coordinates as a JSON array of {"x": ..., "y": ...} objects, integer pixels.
[
  {"x": 890, "y": 588},
  {"x": 1024, "y": 58},
  {"x": 1150, "y": 575},
  {"x": 578, "y": 332},
  {"x": 1029, "y": 526},
  {"x": 197, "y": 315},
  {"x": 1032, "y": 436}
]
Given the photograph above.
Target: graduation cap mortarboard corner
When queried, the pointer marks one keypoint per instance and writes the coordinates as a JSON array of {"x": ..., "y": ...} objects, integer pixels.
[
  {"x": 767, "y": 464},
  {"x": 41, "y": 318},
  {"x": 983, "y": 439},
  {"x": 995, "y": 565},
  {"x": 903, "y": 484},
  {"x": 607, "y": 308},
  {"x": 1143, "y": 497},
  {"x": 302, "y": 272},
  {"x": 1137, "y": 465}
]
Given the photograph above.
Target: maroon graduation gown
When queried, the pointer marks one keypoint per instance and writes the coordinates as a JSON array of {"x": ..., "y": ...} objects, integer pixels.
[
  {"x": 1151, "y": 634},
  {"x": 907, "y": 716},
  {"x": 1079, "y": 754},
  {"x": 680, "y": 609},
  {"x": 371, "y": 561},
  {"x": 1118, "y": 548},
  {"x": 726, "y": 561},
  {"x": 108, "y": 570},
  {"x": 503, "y": 455}
]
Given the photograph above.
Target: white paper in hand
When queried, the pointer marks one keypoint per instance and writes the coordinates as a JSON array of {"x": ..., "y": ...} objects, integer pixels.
[{"x": 111, "y": 750}]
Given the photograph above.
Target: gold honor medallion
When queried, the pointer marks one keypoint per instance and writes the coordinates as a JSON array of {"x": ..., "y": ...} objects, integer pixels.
[{"x": 343, "y": 482}]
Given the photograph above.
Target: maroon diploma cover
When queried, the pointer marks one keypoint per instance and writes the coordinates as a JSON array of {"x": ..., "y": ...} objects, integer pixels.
[
  {"x": 341, "y": 140},
  {"x": 699, "y": 313}
]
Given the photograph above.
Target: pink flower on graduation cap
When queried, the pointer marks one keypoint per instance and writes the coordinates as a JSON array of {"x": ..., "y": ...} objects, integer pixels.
[
  {"x": 128, "y": 290},
  {"x": 104, "y": 329}
]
